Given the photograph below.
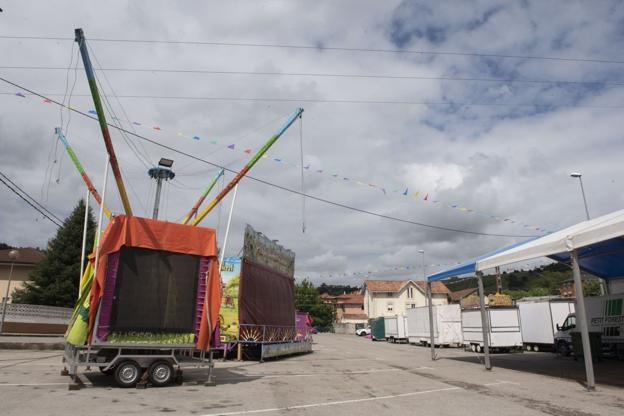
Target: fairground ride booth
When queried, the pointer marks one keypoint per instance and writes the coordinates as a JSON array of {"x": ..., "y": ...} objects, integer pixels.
[{"x": 595, "y": 246}]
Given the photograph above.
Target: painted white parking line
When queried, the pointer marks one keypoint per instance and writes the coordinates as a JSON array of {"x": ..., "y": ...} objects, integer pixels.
[
  {"x": 325, "y": 404},
  {"x": 499, "y": 382}
]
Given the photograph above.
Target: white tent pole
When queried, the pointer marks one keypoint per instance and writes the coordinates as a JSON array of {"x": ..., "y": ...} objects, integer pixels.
[
  {"x": 484, "y": 323},
  {"x": 227, "y": 229},
  {"x": 100, "y": 217},
  {"x": 581, "y": 321},
  {"x": 432, "y": 339},
  {"x": 84, "y": 240}
]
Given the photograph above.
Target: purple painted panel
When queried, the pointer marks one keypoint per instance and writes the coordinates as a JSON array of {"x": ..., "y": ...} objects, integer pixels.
[
  {"x": 302, "y": 325},
  {"x": 106, "y": 306},
  {"x": 204, "y": 266}
]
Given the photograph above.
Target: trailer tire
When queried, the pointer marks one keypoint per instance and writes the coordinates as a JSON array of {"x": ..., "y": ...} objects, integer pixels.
[
  {"x": 478, "y": 348},
  {"x": 161, "y": 373},
  {"x": 563, "y": 349},
  {"x": 128, "y": 373},
  {"x": 535, "y": 348}
]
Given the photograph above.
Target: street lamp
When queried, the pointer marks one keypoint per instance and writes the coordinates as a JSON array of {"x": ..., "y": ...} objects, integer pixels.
[
  {"x": 579, "y": 176},
  {"x": 13, "y": 256},
  {"x": 423, "y": 262}
]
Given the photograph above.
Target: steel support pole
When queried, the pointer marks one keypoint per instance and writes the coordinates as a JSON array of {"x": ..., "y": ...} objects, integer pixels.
[
  {"x": 485, "y": 325},
  {"x": 5, "y": 301},
  {"x": 431, "y": 331},
  {"x": 581, "y": 321},
  {"x": 100, "y": 217},
  {"x": 227, "y": 228},
  {"x": 157, "y": 198}
]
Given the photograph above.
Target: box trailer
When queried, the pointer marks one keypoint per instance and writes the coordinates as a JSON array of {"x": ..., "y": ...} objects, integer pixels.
[
  {"x": 447, "y": 325},
  {"x": 504, "y": 332},
  {"x": 605, "y": 316},
  {"x": 377, "y": 326},
  {"x": 395, "y": 328},
  {"x": 539, "y": 318}
]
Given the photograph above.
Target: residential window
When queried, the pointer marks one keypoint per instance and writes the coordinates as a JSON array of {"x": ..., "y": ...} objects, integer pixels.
[
  {"x": 410, "y": 292},
  {"x": 390, "y": 307}
]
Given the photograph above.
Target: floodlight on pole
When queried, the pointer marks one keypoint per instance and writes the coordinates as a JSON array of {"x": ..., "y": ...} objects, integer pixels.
[
  {"x": 160, "y": 172},
  {"x": 580, "y": 178}
]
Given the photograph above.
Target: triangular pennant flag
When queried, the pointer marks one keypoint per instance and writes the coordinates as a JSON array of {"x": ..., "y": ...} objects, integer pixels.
[
  {"x": 416, "y": 195},
  {"x": 384, "y": 190},
  {"x": 232, "y": 146},
  {"x": 405, "y": 192},
  {"x": 92, "y": 112},
  {"x": 156, "y": 128},
  {"x": 426, "y": 198},
  {"x": 277, "y": 160},
  {"x": 248, "y": 151},
  {"x": 307, "y": 167},
  {"x": 45, "y": 100},
  {"x": 19, "y": 94},
  {"x": 195, "y": 137},
  {"x": 135, "y": 123}
]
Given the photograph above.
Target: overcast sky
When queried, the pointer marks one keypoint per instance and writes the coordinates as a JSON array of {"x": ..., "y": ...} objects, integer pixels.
[{"x": 485, "y": 127}]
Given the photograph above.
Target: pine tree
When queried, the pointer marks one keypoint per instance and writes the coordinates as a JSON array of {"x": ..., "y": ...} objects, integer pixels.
[{"x": 54, "y": 281}]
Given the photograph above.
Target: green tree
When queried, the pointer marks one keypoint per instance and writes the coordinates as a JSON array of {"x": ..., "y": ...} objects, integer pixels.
[
  {"x": 54, "y": 281},
  {"x": 591, "y": 287},
  {"x": 308, "y": 299}
]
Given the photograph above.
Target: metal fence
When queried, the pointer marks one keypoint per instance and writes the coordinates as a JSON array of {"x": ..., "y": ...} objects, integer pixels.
[
  {"x": 258, "y": 334},
  {"x": 16, "y": 312}
]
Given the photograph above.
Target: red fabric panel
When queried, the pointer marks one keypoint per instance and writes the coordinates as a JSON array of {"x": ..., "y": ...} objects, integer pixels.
[
  {"x": 265, "y": 296},
  {"x": 160, "y": 235}
]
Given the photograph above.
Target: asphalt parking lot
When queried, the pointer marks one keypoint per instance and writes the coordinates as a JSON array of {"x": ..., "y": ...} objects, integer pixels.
[{"x": 345, "y": 375}]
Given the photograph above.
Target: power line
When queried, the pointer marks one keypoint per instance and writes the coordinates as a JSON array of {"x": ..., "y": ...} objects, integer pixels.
[
  {"x": 30, "y": 203},
  {"x": 335, "y": 101},
  {"x": 325, "y": 48},
  {"x": 328, "y": 75},
  {"x": 326, "y": 201}
]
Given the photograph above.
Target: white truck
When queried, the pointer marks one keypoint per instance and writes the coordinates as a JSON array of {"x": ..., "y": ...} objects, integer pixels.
[
  {"x": 605, "y": 315},
  {"x": 504, "y": 328},
  {"x": 447, "y": 326},
  {"x": 396, "y": 328},
  {"x": 539, "y": 317}
]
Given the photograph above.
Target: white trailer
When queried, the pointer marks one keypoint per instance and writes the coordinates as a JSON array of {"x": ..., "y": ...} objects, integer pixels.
[
  {"x": 504, "y": 328},
  {"x": 539, "y": 318},
  {"x": 447, "y": 325},
  {"x": 396, "y": 328}
]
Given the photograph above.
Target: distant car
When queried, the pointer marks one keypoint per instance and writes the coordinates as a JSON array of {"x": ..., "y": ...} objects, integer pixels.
[{"x": 363, "y": 331}]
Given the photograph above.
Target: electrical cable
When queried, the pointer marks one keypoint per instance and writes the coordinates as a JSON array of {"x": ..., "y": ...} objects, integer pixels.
[
  {"x": 325, "y": 48},
  {"x": 332, "y": 75},
  {"x": 30, "y": 203},
  {"x": 274, "y": 185},
  {"x": 342, "y": 101}
]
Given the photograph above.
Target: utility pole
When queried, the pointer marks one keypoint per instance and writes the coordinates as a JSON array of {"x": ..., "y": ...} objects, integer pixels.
[
  {"x": 499, "y": 281},
  {"x": 13, "y": 255},
  {"x": 160, "y": 172}
]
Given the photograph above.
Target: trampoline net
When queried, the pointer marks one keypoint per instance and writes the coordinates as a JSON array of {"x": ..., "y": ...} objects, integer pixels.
[{"x": 156, "y": 291}]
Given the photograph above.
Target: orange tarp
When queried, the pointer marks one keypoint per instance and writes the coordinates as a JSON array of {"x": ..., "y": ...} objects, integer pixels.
[{"x": 167, "y": 236}]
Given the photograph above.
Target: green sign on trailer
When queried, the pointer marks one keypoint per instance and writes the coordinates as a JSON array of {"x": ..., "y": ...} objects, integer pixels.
[{"x": 378, "y": 328}]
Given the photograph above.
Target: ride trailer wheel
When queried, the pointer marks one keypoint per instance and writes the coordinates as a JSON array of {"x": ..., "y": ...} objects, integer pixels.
[
  {"x": 161, "y": 373},
  {"x": 127, "y": 374}
]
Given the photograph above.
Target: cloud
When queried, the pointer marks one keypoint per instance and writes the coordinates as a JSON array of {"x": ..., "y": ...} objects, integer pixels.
[{"x": 499, "y": 148}]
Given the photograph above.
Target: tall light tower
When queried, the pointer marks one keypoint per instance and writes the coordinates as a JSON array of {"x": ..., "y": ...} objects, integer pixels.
[
  {"x": 579, "y": 176},
  {"x": 160, "y": 172}
]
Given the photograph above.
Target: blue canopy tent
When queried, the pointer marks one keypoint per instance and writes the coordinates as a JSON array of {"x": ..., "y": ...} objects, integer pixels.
[{"x": 596, "y": 246}]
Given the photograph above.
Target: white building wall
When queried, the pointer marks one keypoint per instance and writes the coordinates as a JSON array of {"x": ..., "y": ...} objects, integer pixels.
[{"x": 376, "y": 303}]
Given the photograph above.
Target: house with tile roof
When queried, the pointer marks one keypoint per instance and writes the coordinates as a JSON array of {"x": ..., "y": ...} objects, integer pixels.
[
  {"x": 395, "y": 297},
  {"x": 348, "y": 307},
  {"x": 22, "y": 266}
]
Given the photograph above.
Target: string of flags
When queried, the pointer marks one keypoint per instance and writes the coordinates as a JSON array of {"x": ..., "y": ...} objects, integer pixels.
[
  {"x": 369, "y": 273},
  {"x": 416, "y": 195}
]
